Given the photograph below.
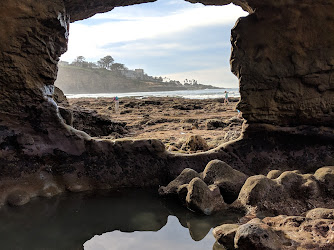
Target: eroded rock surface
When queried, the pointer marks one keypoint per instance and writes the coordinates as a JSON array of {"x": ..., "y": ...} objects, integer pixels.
[
  {"x": 205, "y": 192},
  {"x": 280, "y": 232},
  {"x": 282, "y": 54},
  {"x": 292, "y": 193}
]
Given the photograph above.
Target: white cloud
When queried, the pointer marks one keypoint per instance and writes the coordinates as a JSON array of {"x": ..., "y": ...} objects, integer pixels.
[
  {"x": 220, "y": 77},
  {"x": 155, "y": 37},
  {"x": 90, "y": 40}
]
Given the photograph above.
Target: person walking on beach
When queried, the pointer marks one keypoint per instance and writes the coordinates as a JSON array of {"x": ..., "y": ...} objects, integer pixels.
[
  {"x": 116, "y": 100},
  {"x": 226, "y": 98}
]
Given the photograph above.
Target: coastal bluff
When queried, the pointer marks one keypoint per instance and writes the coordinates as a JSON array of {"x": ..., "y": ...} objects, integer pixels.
[{"x": 282, "y": 54}]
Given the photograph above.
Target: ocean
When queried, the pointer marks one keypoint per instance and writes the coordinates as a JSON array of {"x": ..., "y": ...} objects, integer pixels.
[{"x": 190, "y": 94}]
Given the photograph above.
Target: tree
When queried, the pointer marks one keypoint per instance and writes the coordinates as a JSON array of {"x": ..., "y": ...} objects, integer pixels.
[
  {"x": 106, "y": 62},
  {"x": 117, "y": 67},
  {"x": 79, "y": 61}
]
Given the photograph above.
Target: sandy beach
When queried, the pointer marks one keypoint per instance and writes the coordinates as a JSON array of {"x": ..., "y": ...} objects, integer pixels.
[{"x": 172, "y": 120}]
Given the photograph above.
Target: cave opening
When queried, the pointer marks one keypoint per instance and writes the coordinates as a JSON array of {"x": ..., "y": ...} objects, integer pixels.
[{"x": 167, "y": 61}]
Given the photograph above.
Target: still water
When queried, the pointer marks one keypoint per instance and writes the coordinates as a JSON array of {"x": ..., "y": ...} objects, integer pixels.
[{"x": 124, "y": 220}]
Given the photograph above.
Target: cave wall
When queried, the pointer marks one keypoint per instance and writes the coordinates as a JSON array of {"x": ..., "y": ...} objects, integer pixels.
[
  {"x": 282, "y": 54},
  {"x": 284, "y": 59}
]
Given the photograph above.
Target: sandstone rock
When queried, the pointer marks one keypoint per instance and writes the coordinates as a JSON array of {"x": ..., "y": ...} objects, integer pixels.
[
  {"x": 204, "y": 199},
  {"x": 225, "y": 233},
  {"x": 273, "y": 174},
  {"x": 225, "y": 177},
  {"x": 184, "y": 178},
  {"x": 60, "y": 98},
  {"x": 257, "y": 235},
  {"x": 320, "y": 213},
  {"x": 67, "y": 115},
  {"x": 195, "y": 143},
  {"x": 291, "y": 193},
  {"x": 303, "y": 233},
  {"x": 18, "y": 198},
  {"x": 214, "y": 124},
  {"x": 291, "y": 181},
  {"x": 96, "y": 125},
  {"x": 325, "y": 176},
  {"x": 182, "y": 192},
  {"x": 284, "y": 71},
  {"x": 231, "y": 135},
  {"x": 282, "y": 232}
]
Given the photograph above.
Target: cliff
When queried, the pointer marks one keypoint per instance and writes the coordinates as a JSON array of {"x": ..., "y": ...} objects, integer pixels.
[{"x": 77, "y": 80}]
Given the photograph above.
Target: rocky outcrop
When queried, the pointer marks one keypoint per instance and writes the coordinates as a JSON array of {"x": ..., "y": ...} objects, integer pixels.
[
  {"x": 96, "y": 125},
  {"x": 195, "y": 143},
  {"x": 205, "y": 192},
  {"x": 282, "y": 54},
  {"x": 184, "y": 178},
  {"x": 284, "y": 62},
  {"x": 229, "y": 180},
  {"x": 281, "y": 232},
  {"x": 87, "y": 120},
  {"x": 291, "y": 193}
]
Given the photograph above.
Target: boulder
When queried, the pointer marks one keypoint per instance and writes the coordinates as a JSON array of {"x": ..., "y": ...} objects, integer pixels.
[
  {"x": 257, "y": 235},
  {"x": 203, "y": 198},
  {"x": 320, "y": 213},
  {"x": 18, "y": 198},
  {"x": 195, "y": 143},
  {"x": 291, "y": 193},
  {"x": 60, "y": 98},
  {"x": 261, "y": 193},
  {"x": 325, "y": 176},
  {"x": 66, "y": 114},
  {"x": 225, "y": 233},
  {"x": 315, "y": 231},
  {"x": 184, "y": 178},
  {"x": 225, "y": 177},
  {"x": 214, "y": 124},
  {"x": 273, "y": 174}
]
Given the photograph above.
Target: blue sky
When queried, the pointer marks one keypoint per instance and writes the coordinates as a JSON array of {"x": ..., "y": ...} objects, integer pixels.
[{"x": 171, "y": 38}]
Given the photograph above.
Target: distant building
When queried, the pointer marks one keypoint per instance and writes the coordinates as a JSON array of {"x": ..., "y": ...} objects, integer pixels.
[
  {"x": 139, "y": 72},
  {"x": 63, "y": 63},
  {"x": 134, "y": 74}
]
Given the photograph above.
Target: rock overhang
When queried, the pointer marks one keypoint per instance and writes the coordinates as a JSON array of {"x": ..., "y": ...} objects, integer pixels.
[{"x": 282, "y": 53}]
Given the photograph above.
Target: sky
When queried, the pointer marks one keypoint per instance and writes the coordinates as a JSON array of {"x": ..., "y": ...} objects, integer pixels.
[{"x": 168, "y": 38}]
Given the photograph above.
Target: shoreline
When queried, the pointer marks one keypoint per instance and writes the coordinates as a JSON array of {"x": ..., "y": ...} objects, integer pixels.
[{"x": 173, "y": 120}]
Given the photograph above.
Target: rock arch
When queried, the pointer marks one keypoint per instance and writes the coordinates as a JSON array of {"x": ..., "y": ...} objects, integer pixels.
[{"x": 282, "y": 53}]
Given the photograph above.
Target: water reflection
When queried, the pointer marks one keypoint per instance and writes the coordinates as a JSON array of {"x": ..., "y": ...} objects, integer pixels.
[{"x": 68, "y": 221}]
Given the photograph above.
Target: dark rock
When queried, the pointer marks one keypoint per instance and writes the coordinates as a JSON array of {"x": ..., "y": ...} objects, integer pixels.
[
  {"x": 60, "y": 98},
  {"x": 273, "y": 174},
  {"x": 94, "y": 124},
  {"x": 204, "y": 199},
  {"x": 214, "y": 124},
  {"x": 184, "y": 178},
  {"x": 257, "y": 235},
  {"x": 291, "y": 193},
  {"x": 18, "y": 198},
  {"x": 229, "y": 180},
  {"x": 225, "y": 233},
  {"x": 325, "y": 176},
  {"x": 67, "y": 115}
]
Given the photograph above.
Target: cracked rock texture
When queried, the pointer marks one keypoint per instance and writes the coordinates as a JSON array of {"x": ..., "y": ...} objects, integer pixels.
[
  {"x": 282, "y": 54},
  {"x": 280, "y": 232}
]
